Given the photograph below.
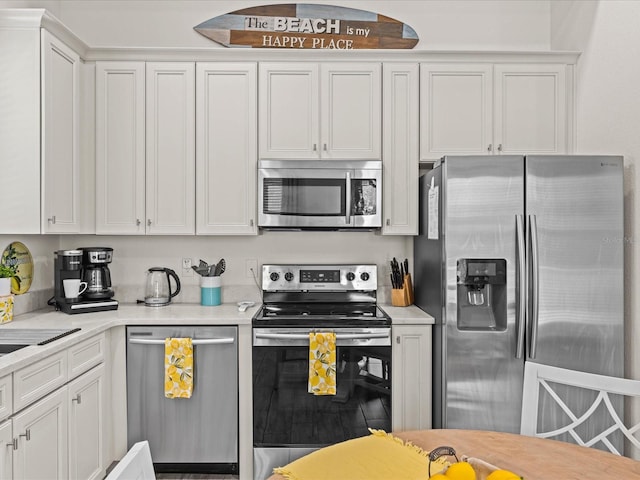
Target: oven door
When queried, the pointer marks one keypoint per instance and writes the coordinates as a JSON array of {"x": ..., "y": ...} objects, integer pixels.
[
  {"x": 319, "y": 194},
  {"x": 288, "y": 422}
]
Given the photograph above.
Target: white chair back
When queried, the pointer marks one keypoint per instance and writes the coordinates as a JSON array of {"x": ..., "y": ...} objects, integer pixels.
[
  {"x": 544, "y": 379},
  {"x": 135, "y": 465}
]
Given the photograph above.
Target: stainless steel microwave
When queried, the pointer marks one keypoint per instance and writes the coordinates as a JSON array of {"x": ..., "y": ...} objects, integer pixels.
[{"x": 319, "y": 194}]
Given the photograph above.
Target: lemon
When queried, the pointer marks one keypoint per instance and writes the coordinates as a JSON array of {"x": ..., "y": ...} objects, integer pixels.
[
  {"x": 460, "y": 471},
  {"x": 503, "y": 475},
  {"x": 438, "y": 476}
]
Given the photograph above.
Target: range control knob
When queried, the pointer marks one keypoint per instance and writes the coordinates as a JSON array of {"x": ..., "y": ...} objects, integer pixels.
[
  {"x": 351, "y": 276},
  {"x": 274, "y": 276},
  {"x": 288, "y": 276},
  {"x": 364, "y": 276}
]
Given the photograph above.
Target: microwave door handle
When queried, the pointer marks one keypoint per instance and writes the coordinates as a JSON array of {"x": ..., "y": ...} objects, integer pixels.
[{"x": 348, "y": 198}]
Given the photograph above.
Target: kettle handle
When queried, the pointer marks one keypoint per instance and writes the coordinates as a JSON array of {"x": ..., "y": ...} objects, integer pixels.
[{"x": 171, "y": 273}]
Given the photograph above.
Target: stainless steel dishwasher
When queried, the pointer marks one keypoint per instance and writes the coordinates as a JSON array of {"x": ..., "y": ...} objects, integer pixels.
[{"x": 198, "y": 434}]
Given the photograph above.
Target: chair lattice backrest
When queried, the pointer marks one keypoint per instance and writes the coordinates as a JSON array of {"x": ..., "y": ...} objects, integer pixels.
[{"x": 606, "y": 395}]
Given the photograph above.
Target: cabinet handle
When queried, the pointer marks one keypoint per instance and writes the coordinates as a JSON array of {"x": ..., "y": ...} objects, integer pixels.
[
  {"x": 251, "y": 222},
  {"x": 490, "y": 148},
  {"x": 388, "y": 222},
  {"x": 52, "y": 219},
  {"x": 13, "y": 444},
  {"x": 77, "y": 399},
  {"x": 149, "y": 222},
  {"x": 138, "y": 222},
  {"x": 398, "y": 339},
  {"x": 26, "y": 434},
  {"x": 315, "y": 147},
  {"x": 499, "y": 147},
  {"x": 324, "y": 147}
]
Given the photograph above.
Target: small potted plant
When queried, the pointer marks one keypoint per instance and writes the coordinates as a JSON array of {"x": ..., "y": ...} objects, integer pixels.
[{"x": 6, "y": 275}]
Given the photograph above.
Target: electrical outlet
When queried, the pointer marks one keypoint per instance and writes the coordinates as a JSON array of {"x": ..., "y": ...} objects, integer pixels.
[
  {"x": 187, "y": 271},
  {"x": 251, "y": 264}
]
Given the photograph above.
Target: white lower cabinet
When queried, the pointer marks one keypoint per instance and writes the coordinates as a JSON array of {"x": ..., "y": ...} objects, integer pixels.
[
  {"x": 6, "y": 452},
  {"x": 41, "y": 433},
  {"x": 86, "y": 425},
  {"x": 411, "y": 374}
]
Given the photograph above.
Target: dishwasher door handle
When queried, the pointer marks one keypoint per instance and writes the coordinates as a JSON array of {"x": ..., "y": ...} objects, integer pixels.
[
  {"x": 339, "y": 336},
  {"x": 200, "y": 341}
]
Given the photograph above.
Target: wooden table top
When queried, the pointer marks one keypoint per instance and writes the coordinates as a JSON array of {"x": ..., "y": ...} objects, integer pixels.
[{"x": 533, "y": 458}]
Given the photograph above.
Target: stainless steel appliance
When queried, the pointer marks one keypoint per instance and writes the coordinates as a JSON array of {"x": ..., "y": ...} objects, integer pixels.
[
  {"x": 298, "y": 299},
  {"x": 519, "y": 259},
  {"x": 158, "y": 287},
  {"x": 309, "y": 194},
  {"x": 198, "y": 434},
  {"x": 95, "y": 271},
  {"x": 70, "y": 264}
]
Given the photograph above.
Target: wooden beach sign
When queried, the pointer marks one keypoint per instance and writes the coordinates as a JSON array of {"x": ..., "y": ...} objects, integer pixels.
[{"x": 308, "y": 26}]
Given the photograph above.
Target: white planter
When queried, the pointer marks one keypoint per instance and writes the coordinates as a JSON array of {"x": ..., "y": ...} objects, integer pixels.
[{"x": 5, "y": 286}]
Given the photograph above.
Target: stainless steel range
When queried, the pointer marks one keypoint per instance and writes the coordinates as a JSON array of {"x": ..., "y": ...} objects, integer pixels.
[{"x": 299, "y": 299}]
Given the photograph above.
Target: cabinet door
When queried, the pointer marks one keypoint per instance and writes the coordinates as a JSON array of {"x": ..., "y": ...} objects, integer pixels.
[
  {"x": 41, "y": 430},
  {"x": 170, "y": 140},
  {"x": 400, "y": 187},
  {"x": 86, "y": 425},
  {"x": 60, "y": 137},
  {"x": 6, "y": 452},
  {"x": 455, "y": 110},
  {"x": 226, "y": 112},
  {"x": 289, "y": 111},
  {"x": 120, "y": 144},
  {"x": 411, "y": 374},
  {"x": 351, "y": 111},
  {"x": 531, "y": 109}
]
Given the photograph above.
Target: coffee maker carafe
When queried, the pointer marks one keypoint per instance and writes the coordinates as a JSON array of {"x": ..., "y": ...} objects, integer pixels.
[{"x": 95, "y": 272}]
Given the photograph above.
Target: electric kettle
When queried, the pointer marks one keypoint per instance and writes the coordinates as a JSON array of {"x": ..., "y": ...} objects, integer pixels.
[{"x": 158, "y": 289}]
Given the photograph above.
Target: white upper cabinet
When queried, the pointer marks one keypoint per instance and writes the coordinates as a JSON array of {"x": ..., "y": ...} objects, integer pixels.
[
  {"x": 120, "y": 148},
  {"x": 145, "y": 148},
  {"x": 170, "y": 153},
  {"x": 400, "y": 160},
  {"x": 320, "y": 111},
  {"x": 486, "y": 109},
  {"x": 39, "y": 126},
  {"x": 531, "y": 109},
  {"x": 60, "y": 136},
  {"x": 226, "y": 118},
  {"x": 455, "y": 109}
]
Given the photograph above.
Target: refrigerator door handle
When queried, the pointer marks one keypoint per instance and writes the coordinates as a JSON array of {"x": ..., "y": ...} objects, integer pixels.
[
  {"x": 533, "y": 232},
  {"x": 522, "y": 294}
]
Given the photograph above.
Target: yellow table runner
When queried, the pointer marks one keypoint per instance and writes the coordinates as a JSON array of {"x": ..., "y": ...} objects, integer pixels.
[
  {"x": 379, "y": 456},
  {"x": 178, "y": 367}
]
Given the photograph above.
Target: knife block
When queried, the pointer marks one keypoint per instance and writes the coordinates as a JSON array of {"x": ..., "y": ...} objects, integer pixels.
[{"x": 403, "y": 297}]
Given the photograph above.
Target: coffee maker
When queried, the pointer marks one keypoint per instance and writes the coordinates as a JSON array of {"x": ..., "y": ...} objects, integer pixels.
[{"x": 84, "y": 265}]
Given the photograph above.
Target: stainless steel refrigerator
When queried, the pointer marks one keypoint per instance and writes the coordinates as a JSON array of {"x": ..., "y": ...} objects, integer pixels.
[{"x": 518, "y": 258}]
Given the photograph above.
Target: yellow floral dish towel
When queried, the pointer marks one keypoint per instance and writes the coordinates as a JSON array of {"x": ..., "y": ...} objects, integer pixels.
[
  {"x": 6, "y": 309},
  {"x": 322, "y": 363},
  {"x": 178, "y": 367},
  {"x": 379, "y": 456}
]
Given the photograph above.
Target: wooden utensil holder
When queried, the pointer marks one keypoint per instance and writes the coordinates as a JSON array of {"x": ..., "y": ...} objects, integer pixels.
[{"x": 403, "y": 297}]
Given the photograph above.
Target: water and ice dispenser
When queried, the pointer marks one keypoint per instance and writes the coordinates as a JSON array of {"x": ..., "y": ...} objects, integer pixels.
[{"x": 482, "y": 293}]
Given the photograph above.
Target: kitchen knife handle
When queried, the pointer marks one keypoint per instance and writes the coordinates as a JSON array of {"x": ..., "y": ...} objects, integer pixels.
[
  {"x": 520, "y": 287},
  {"x": 533, "y": 232}
]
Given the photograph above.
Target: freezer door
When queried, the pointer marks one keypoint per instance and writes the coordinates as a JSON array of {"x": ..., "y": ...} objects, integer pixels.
[
  {"x": 576, "y": 203},
  {"x": 482, "y": 378}
]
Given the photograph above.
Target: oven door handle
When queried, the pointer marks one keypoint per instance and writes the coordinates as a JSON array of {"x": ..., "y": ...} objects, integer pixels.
[
  {"x": 305, "y": 336},
  {"x": 200, "y": 341}
]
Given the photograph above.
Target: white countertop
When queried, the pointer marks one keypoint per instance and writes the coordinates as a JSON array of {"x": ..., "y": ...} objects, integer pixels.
[{"x": 130, "y": 314}]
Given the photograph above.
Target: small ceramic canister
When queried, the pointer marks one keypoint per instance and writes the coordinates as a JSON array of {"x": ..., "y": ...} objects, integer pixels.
[
  {"x": 210, "y": 291},
  {"x": 6, "y": 309}
]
